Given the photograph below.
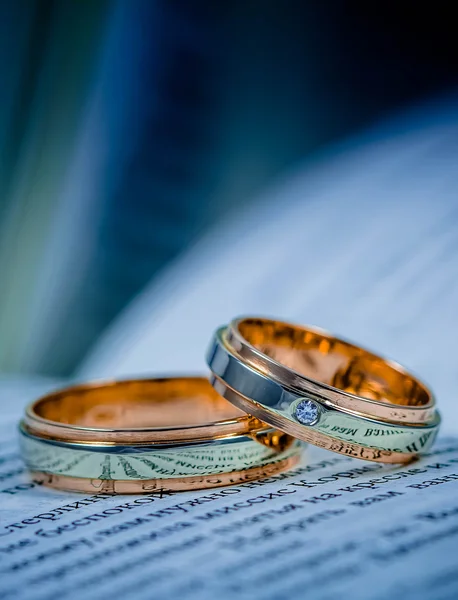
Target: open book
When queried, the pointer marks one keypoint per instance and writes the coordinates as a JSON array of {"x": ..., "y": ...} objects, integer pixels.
[{"x": 364, "y": 244}]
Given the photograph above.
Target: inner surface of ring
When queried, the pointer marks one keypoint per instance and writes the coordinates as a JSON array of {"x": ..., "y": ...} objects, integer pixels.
[
  {"x": 178, "y": 402},
  {"x": 333, "y": 362}
]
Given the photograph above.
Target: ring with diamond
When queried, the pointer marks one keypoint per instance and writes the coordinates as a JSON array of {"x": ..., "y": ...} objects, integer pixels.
[
  {"x": 294, "y": 388},
  {"x": 147, "y": 435},
  {"x": 343, "y": 375}
]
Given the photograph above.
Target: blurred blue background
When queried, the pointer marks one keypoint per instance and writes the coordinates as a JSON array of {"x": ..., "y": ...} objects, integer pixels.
[{"x": 128, "y": 127}]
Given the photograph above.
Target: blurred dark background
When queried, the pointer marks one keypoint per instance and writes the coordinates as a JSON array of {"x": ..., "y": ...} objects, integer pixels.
[{"x": 127, "y": 127}]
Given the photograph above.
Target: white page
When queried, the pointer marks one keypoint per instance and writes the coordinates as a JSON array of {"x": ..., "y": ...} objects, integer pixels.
[
  {"x": 364, "y": 244},
  {"x": 332, "y": 527},
  {"x": 335, "y": 527}
]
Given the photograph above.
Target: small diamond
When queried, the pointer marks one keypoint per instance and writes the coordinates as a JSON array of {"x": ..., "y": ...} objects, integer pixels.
[{"x": 307, "y": 412}]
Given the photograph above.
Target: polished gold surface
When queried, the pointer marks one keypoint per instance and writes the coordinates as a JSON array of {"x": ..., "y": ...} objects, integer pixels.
[
  {"x": 140, "y": 435},
  {"x": 282, "y": 462},
  {"x": 344, "y": 375},
  {"x": 323, "y": 390},
  {"x": 338, "y": 440},
  {"x": 152, "y": 411},
  {"x": 219, "y": 455}
]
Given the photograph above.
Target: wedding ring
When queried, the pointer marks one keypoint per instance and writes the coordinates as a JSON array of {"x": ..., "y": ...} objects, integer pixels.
[
  {"x": 139, "y": 436},
  {"x": 323, "y": 390}
]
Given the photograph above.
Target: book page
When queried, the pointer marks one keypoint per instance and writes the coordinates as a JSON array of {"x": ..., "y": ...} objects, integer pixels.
[
  {"x": 332, "y": 527},
  {"x": 363, "y": 245}
]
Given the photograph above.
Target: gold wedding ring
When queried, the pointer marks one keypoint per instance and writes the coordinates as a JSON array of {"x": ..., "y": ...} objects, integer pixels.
[
  {"x": 323, "y": 390},
  {"x": 293, "y": 384},
  {"x": 143, "y": 435}
]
